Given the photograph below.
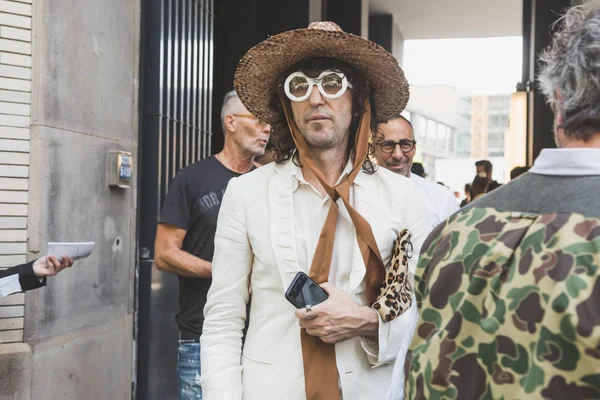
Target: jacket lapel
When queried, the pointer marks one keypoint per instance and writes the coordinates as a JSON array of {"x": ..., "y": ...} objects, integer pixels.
[{"x": 283, "y": 237}]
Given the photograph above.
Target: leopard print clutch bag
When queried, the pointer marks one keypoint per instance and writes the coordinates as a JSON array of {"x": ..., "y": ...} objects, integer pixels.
[{"x": 395, "y": 295}]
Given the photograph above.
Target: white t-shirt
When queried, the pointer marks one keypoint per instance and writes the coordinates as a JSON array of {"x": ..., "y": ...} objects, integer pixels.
[
  {"x": 440, "y": 202},
  {"x": 310, "y": 211}
]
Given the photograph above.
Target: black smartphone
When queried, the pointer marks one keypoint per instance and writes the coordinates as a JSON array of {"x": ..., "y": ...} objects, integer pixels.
[{"x": 304, "y": 291}]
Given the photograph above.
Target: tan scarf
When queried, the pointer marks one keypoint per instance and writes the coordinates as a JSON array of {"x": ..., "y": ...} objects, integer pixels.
[{"x": 320, "y": 369}]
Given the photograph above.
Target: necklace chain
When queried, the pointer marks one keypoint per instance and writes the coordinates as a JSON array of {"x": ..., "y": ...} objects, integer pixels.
[{"x": 220, "y": 159}]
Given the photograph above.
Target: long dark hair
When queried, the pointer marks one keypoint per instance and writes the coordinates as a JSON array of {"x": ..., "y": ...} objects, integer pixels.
[{"x": 284, "y": 147}]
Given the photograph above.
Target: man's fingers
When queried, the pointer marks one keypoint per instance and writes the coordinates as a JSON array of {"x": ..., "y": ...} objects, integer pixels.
[
  {"x": 328, "y": 287},
  {"x": 313, "y": 331},
  {"x": 54, "y": 262},
  {"x": 54, "y": 265},
  {"x": 325, "y": 337},
  {"x": 330, "y": 339},
  {"x": 50, "y": 266},
  {"x": 304, "y": 315},
  {"x": 65, "y": 262},
  {"x": 308, "y": 323}
]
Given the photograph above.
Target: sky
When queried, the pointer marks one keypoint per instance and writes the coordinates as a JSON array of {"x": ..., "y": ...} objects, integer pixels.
[{"x": 472, "y": 66}]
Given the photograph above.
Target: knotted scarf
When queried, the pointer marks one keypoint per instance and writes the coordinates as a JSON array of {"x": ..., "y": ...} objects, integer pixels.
[{"x": 320, "y": 369}]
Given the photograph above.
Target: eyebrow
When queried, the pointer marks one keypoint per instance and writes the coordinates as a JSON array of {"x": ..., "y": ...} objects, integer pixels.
[{"x": 313, "y": 73}]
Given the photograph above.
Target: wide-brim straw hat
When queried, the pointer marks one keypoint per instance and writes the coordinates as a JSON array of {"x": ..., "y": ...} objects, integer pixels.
[{"x": 259, "y": 70}]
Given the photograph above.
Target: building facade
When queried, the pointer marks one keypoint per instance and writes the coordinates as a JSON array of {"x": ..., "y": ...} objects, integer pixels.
[
  {"x": 482, "y": 124},
  {"x": 80, "y": 80},
  {"x": 432, "y": 110},
  {"x": 68, "y": 96},
  {"x": 15, "y": 135}
]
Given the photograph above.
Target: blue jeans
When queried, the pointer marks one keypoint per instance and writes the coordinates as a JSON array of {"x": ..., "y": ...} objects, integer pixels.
[{"x": 188, "y": 370}]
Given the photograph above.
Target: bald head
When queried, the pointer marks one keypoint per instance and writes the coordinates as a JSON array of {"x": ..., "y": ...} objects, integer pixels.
[
  {"x": 231, "y": 105},
  {"x": 244, "y": 133}
]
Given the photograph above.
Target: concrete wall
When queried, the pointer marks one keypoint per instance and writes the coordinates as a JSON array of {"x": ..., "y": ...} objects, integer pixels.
[{"x": 79, "y": 329}]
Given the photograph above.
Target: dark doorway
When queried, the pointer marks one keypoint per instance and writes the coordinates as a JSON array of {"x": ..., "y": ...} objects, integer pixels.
[
  {"x": 176, "y": 66},
  {"x": 239, "y": 25},
  {"x": 538, "y": 26}
]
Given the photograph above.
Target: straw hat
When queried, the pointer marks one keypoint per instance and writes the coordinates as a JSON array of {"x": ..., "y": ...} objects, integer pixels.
[{"x": 257, "y": 73}]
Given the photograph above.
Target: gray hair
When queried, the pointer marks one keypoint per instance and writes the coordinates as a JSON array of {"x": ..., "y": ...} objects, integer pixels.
[
  {"x": 230, "y": 106},
  {"x": 570, "y": 71}
]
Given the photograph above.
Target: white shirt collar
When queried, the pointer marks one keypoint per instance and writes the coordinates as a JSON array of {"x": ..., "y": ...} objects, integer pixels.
[
  {"x": 299, "y": 177},
  {"x": 567, "y": 162}
]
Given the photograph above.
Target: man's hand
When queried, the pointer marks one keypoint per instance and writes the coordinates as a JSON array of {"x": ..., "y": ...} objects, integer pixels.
[
  {"x": 50, "y": 266},
  {"x": 169, "y": 257},
  {"x": 339, "y": 318}
]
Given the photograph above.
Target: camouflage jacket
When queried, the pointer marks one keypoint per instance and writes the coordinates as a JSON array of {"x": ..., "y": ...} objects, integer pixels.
[{"x": 510, "y": 308}]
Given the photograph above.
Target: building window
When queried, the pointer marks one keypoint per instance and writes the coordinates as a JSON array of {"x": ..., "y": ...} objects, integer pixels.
[
  {"x": 441, "y": 136},
  {"x": 420, "y": 127},
  {"x": 431, "y": 132},
  {"x": 449, "y": 138}
]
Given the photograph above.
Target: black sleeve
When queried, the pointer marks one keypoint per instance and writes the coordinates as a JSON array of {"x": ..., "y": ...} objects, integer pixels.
[
  {"x": 9, "y": 271},
  {"x": 178, "y": 203},
  {"x": 27, "y": 278}
]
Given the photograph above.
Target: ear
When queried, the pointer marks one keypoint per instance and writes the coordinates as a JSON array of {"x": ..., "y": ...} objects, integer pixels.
[
  {"x": 558, "y": 115},
  {"x": 229, "y": 123},
  {"x": 559, "y": 118},
  {"x": 558, "y": 94}
]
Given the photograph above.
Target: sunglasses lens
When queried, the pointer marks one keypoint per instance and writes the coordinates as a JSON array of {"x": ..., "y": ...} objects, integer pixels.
[
  {"x": 298, "y": 86},
  {"x": 332, "y": 84}
]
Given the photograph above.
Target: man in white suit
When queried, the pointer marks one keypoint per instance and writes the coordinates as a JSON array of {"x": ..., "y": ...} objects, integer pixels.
[
  {"x": 395, "y": 148},
  {"x": 322, "y": 208}
]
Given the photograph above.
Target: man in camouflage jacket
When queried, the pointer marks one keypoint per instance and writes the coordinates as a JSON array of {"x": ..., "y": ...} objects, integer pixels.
[{"x": 508, "y": 288}]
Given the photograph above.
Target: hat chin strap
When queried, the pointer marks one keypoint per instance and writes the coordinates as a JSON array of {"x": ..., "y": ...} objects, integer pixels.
[{"x": 320, "y": 369}]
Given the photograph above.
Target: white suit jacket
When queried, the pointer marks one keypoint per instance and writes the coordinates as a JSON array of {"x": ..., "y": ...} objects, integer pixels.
[{"x": 255, "y": 248}]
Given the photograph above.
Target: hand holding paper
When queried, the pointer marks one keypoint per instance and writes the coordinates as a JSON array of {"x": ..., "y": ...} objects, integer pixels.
[
  {"x": 50, "y": 266},
  {"x": 74, "y": 251}
]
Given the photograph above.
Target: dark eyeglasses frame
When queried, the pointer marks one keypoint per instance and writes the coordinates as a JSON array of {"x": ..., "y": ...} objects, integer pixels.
[{"x": 405, "y": 142}]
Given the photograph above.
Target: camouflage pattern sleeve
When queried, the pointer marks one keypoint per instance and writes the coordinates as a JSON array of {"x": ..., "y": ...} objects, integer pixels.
[{"x": 509, "y": 308}]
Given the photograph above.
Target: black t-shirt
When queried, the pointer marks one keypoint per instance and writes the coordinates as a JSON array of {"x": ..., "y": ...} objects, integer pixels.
[
  {"x": 193, "y": 204},
  {"x": 492, "y": 185}
]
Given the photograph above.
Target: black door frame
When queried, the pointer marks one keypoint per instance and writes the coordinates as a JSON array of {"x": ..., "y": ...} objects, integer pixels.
[
  {"x": 167, "y": 118},
  {"x": 175, "y": 130}
]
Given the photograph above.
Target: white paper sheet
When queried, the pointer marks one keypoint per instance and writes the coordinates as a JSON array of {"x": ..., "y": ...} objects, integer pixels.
[
  {"x": 9, "y": 285},
  {"x": 76, "y": 251}
]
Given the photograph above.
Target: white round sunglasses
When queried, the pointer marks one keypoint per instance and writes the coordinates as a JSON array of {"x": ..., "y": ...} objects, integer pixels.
[{"x": 331, "y": 84}]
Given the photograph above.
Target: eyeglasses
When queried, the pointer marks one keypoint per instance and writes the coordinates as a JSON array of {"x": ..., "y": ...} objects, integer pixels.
[
  {"x": 245, "y": 116},
  {"x": 388, "y": 146},
  {"x": 331, "y": 84},
  {"x": 251, "y": 116}
]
